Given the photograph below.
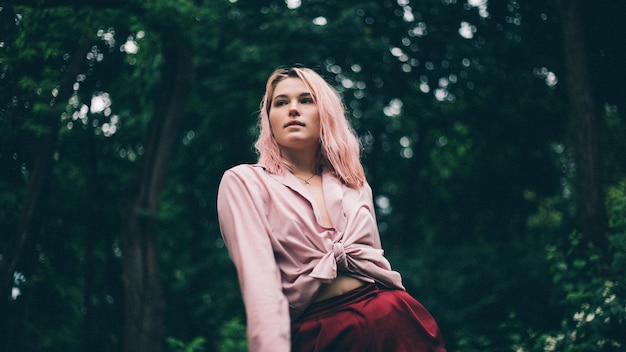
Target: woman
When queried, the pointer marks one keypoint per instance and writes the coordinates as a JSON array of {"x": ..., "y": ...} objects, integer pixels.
[{"x": 300, "y": 227}]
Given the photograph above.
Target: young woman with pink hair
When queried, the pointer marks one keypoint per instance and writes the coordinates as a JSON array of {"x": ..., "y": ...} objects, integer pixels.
[{"x": 301, "y": 230}]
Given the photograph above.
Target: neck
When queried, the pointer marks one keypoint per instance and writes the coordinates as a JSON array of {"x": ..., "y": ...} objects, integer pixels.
[
  {"x": 304, "y": 170},
  {"x": 302, "y": 163}
]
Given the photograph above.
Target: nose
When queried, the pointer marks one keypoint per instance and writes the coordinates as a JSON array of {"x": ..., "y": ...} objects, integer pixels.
[{"x": 293, "y": 108}]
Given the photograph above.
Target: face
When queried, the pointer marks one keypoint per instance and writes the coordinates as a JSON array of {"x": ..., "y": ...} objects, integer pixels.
[{"x": 294, "y": 117}]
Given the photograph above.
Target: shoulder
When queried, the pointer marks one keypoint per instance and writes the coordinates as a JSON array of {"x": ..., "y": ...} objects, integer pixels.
[
  {"x": 367, "y": 188},
  {"x": 244, "y": 171},
  {"x": 364, "y": 189},
  {"x": 362, "y": 195},
  {"x": 244, "y": 176},
  {"x": 242, "y": 182}
]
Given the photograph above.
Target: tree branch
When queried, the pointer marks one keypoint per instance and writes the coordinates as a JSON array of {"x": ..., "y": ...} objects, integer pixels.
[{"x": 41, "y": 173}]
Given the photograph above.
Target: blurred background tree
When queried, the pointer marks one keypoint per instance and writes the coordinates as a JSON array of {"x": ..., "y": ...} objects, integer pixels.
[{"x": 118, "y": 118}]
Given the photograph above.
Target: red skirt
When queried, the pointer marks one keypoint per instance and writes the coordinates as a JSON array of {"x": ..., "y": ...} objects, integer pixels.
[{"x": 367, "y": 319}]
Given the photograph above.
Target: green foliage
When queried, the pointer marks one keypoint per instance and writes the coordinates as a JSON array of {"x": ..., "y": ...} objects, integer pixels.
[
  {"x": 462, "y": 137},
  {"x": 592, "y": 286},
  {"x": 233, "y": 337},
  {"x": 195, "y": 345}
]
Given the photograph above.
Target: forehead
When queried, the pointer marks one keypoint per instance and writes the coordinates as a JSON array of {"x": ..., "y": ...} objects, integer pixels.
[{"x": 291, "y": 86}]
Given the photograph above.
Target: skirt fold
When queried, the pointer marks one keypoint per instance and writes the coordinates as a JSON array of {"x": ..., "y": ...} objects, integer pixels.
[{"x": 367, "y": 319}]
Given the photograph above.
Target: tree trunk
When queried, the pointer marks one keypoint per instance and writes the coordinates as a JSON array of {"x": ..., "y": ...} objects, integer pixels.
[
  {"x": 42, "y": 170},
  {"x": 592, "y": 218},
  {"x": 144, "y": 303}
]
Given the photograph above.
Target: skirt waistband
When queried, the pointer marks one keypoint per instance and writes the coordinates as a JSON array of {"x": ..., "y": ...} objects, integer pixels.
[{"x": 335, "y": 303}]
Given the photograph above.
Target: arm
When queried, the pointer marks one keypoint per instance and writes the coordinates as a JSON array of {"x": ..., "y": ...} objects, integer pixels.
[
  {"x": 372, "y": 206},
  {"x": 245, "y": 232}
]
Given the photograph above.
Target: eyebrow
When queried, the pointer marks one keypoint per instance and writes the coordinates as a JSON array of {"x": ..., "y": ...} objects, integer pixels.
[{"x": 299, "y": 96}]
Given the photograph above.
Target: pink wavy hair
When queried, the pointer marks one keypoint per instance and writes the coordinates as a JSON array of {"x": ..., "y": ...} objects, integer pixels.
[{"x": 340, "y": 149}]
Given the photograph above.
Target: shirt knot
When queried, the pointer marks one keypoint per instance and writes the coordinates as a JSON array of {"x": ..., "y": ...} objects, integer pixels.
[
  {"x": 332, "y": 262},
  {"x": 340, "y": 256}
]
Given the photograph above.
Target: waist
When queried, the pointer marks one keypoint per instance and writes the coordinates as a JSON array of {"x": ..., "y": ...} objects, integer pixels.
[{"x": 339, "y": 286}]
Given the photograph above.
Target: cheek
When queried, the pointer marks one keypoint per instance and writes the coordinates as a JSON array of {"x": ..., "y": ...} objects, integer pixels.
[
  {"x": 272, "y": 122},
  {"x": 316, "y": 119},
  {"x": 316, "y": 115}
]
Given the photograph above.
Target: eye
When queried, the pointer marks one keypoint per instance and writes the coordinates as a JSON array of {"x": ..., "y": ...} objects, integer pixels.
[
  {"x": 280, "y": 102},
  {"x": 307, "y": 100}
]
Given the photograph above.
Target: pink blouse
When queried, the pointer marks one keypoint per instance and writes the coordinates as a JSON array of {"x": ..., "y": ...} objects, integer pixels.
[{"x": 272, "y": 228}]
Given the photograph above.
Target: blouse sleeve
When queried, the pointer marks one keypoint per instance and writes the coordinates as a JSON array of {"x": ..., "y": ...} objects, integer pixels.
[
  {"x": 245, "y": 232},
  {"x": 370, "y": 202}
]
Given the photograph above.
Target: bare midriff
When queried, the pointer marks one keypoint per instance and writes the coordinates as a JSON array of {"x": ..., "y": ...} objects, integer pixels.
[{"x": 340, "y": 285}]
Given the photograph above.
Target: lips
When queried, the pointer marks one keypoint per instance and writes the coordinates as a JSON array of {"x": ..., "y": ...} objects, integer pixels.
[{"x": 293, "y": 123}]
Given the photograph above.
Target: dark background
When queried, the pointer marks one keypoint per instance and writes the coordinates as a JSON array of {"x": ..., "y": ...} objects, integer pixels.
[{"x": 496, "y": 156}]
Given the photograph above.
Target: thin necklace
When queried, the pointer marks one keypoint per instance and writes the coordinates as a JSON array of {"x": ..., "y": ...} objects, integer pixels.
[{"x": 306, "y": 182}]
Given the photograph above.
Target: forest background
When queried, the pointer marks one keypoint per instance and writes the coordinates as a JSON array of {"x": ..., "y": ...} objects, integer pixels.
[{"x": 493, "y": 136}]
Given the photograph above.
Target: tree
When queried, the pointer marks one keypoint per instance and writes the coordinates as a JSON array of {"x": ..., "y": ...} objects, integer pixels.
[
  {"x": 143, "y": 287},
  {"x": 592, "y": 219},
  {"x": 42, "y": 168},
  {"x": 460, "y": 106}
]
